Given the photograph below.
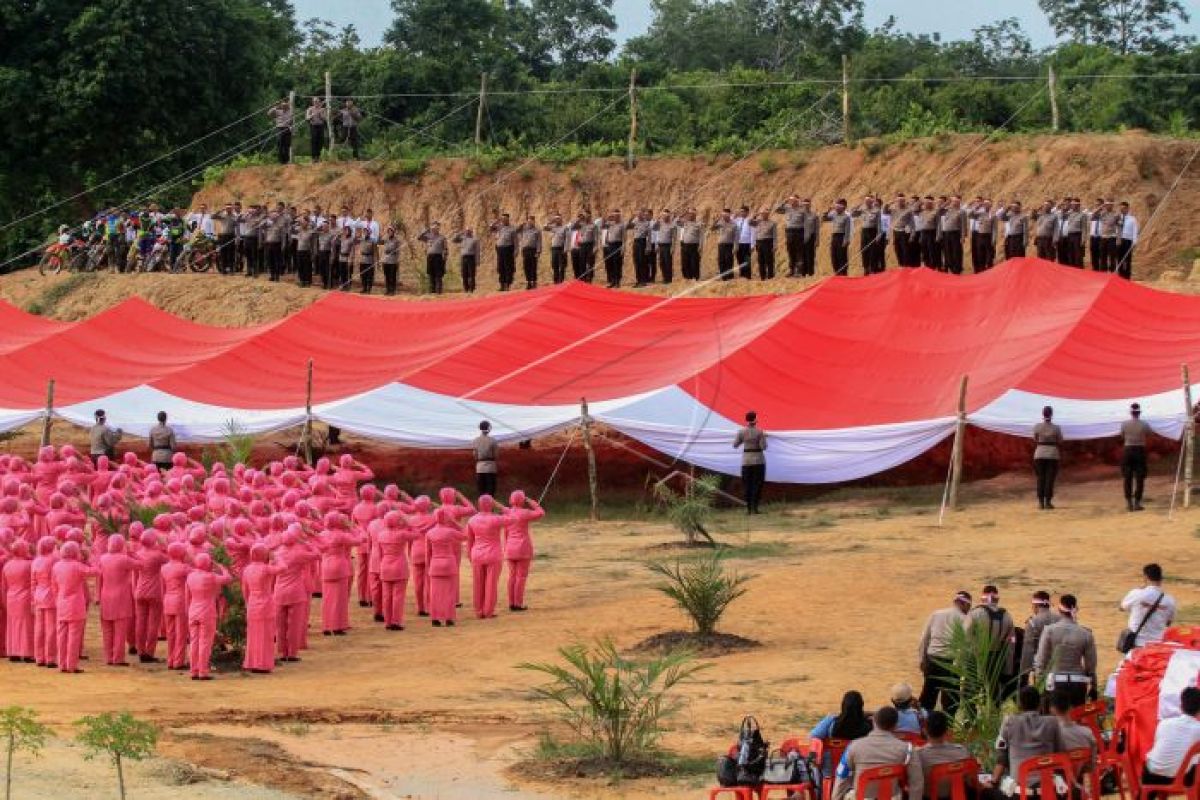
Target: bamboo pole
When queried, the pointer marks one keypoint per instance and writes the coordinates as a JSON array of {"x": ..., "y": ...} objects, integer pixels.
[
  {"x": 1189, "y": 438},
  {"x": 633, "y": 120},
  {"x": 306, "y": 436},
  {"x": 585, "y": 422},
  {"x": 329, "y": 110},
  {"x": 479, "y": 111},
  {"x": 1052, "y": 87},
  {"x": 956, "y": 454},
  {"x": 292, "y": 112},
  {"x": 49, "y": 413},
  {"x": 846, "y": 100}
]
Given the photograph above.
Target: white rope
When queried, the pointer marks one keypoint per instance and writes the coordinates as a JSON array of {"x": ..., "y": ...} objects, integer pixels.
[
  {"x": 1153, "y": 216},
  {"x": 126, "y": 174},
  {"x": 561, "y": 458},
  {"x": 946, "y": 489},
  {"x": 1178, "y": 473}
]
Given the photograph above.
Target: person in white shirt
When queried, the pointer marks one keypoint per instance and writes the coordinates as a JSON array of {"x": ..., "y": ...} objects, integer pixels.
[
  {"x": 1150, "y": 627},
  {"x": 1128, "y": 231},
  {"x": 1173, "y": 738},
  {"x": 370, "y": 226},
  {"x": 745, "y": 240},
  {"x": 202, "y": 220}
]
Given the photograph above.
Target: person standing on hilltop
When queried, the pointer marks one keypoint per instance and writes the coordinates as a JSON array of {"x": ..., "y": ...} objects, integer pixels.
[
  {"x": 281, "y": 115},
  {"x": 530, "y": 236},
  {"x": 1045, "y": 223},
  {"x": 665, "y": 232},
  {"x": 764, "y": 245},
  {"x": 613, "y": 234},
  {"x": 642, "y": 252},
  {"x": 225, "y": 226},
  {"x": 870, "y": 237},
  {"x": 583, "y": 247},
  {"x": 1016, "y": 229},
  {"x": 953, "y": 228},
  {"x": 841, "y": 227},
  {"x": 558, "y": 247},
  {"x": 983, "y": 234},
  {"x": 745, "y": 242},
  {"x": 1127, "y": 230},
  {"x": 793, "y": 232},
  {"x": 391, "y": 261},
  {"x": 326, "y": 239},
  {"x": 726, "y": 230},
  {"x": 504, "y": 233},
  {"x": 318, "y": 121},
  {"x": 691, "y": 239},
  {"x": 350, "y": 117},
  {"x": 468, "y": 254},
  {"x": 435, "y": 255},
  {"x": 902, "y": 226}
]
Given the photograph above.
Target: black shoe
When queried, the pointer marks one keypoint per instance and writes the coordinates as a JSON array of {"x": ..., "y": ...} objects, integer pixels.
[
  {"x": 133, "y": 651},
  {"x": 29, "y": 660},
  {"x": 458, "y": 605},
  {"x": 520, "y": 608},
  {"x": 378, "y": 617},
  {"x": 1041, "y": 503},
  {"x": 422, "y": 613},
  {"x": 437, "y": 623},
  {"x": 1049, "y": 506},
  {"x": 449, "y": 623},
  {"x": 316, "y": 594},
  {"x": 339, "y": 633},
  {"x": 327, "y": 633},
  {"x": 364, "y": 603},
  {"x": 1138, "y": 507}
]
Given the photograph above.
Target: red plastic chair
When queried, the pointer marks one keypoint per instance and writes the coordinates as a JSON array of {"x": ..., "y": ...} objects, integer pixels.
[
  {"x": 1177, "y": 786},
  {"x": 1085, "y": 770},
  {"x": 1114, "y": 757},
  {"x": 736, "y": 792},
  {"x": 1045, "y": 767},
  {"x": 1090, "y": 715},
  {"x": 818, "y": 748},
  {"x": 915, "y": 739},
  {"x": 957, "y": 774},
  {"x": 794, "y": 744},
  {"x": 767, "y": 791},
  {"x": 888, "y": 781}
]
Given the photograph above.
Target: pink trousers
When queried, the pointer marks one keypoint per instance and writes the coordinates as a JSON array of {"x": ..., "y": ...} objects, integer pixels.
[
  {"x": 201, "y": 632},
  {"x": 290, "y": 622},
  {"x": 335, "y": 599},
  {"x": 18, "y": 633},
  {"x": 115, "y": 635},
  {"x": 260, "y": 644},
  {"x": 147, "y": 622},
  {"x": 45, "y": 636},
  {"x": 377, "y": 592},
  {"x": 441, "y": 597},
  {"x": 177, "y": 640},
  {"x": 484, "y": 588},
  {"x": 420, "y": 582},
  {"x": 70, "y": 644},
  {"x": 518, "y": 573},
  {"x": 392, "y": 601},
  {"x": 363, "y": 575}
]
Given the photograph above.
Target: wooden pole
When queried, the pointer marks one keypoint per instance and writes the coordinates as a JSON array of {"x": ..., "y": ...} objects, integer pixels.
[
  {"x": 846, "y": 100},
  {"x": 479, "y": 111},
  {"x": 633, "y": 121},
  {"x": 49, "y": 413},
  {"x": 329, "y": 109},
  {"x": 1052, "y": 85},
  {"x": 956, "y": 454},
  {"x": 292, "y": 111},
  {"x": 585, "y": 422},
  {"x": 306, "y": 436},
  {"x": 1189, "y": 438}
]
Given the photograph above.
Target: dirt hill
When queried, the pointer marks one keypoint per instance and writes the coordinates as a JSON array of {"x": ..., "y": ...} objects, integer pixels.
[{"x": 1132, "y": 166}]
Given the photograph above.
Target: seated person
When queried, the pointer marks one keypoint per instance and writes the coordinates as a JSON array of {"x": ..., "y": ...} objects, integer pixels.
[
  {"x": 1025, "y": 735},
  {"x": 1172, "y": 740},
  {"x": 879, "y": 748},
  {"x": 912, "y": 716},
  {"x": 938, "y": 751},
  {"x": 1074, "y": 735},
  {"x": 852, "y": 723}
]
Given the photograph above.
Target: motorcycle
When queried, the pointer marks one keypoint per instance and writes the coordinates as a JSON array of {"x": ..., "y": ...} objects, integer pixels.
[
  {"x": 57, "y": 256},
  {"x": 199, "y": 254},
  {"x": 159, "y": 255}
]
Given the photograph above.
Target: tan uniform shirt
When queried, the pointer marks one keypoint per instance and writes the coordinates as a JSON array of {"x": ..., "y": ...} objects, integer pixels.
[
  {"x": 1035, "y": 626},
  {"x": 162, "y": 444},
  {"x": 876, "y": 749},
  {"x": 435, "y": 243},
  {"x": 506, "y": 235},
  {"x": 691, "y": 232},
  {"x": 1002, "y": 630},
  {"x": 753, "y": 442},
  {"x": 1047, "y": 436},
  {"x": 468, "y": 245},
  {"x": 1134, "y": 432},
  {"x": 1024, "y": 736},
  {"x": 531, "y": 238},
  {"x": 486, "y": 450},
  {"x": 793, "y": 216},
  {"x": 1066, "y": 648},
  {"x": 923, "y": 761},
  {"x": 726, "y": 232},
  {"x": 391, "y": 251},
  {"x": 103, "y": 439},
  {"x": 935, "y": 641}
]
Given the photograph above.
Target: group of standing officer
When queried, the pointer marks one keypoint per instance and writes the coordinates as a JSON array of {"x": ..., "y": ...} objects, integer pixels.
[{"x": 319, "y": 118}]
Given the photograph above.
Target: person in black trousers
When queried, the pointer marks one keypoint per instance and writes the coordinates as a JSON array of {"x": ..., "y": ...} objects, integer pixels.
[
  {"x": 753, "y": 441},
  {"x": 1046, "y": 438}
]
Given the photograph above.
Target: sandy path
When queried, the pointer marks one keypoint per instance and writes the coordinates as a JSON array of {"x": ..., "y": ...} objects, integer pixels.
[{"x": 842, "y": 589}]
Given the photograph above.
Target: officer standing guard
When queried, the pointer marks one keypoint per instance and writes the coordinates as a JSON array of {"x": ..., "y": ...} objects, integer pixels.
[
  {"x": 1046, "y": 438},
  {"x": 753, "y": 442},
  {"x": 468, "y": 254},
  {"x": 558, "y": 247},
  {"x": 726, "y": 230},
  {"x": 840, "y": 227},
  {"x": 1133, "y": 462},
  {"x": 793, "y": 232},
  {"x": 505, "y": 235},
  {"x": 530, "y": 236},
  {"x": 435, "y": 256},
  {"x": 486, "y": 450}
]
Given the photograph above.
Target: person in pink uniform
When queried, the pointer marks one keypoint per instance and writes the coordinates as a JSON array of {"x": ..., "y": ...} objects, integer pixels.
[
  {"x": 346, "y": 478},
  {"x": 16, "y": 579},
  {"x": 116, "y": 599},
  {"x": 203, "y": 585},
  {"x": 44, "y": 624},
  {"x": 442, "y": 544},
  {"x": 335, "y": 543},
  {"x": 459, "y": 508},
  {"x": 518, "y": 545},
  {"x": 420, "y": 522},
  {"x": 46, "y": 471},
  {"x": 486, "y": 551},
  {"x": 393, "y": 540},
  {"x": 174, "y": 581},
  {"x": 258, "y": 589},
  {"x": 148, "y": 596},
  {"x": 69, "y": 577},
  {"x": 365, "y": 511},
  {"x": 291, "y": 595}
]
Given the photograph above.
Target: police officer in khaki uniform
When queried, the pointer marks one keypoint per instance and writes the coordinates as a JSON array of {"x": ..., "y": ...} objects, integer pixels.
[
  {"x": 558, "y": 247},
  {"x": 643, "y": 255},
  {"x": 162, "y": 443},
  {"x": 530, "y": 237},
  {"x": 1069, "y": 649},
  {"x": 1001, "y": 637},
  {"x": 726, "y": 230},
  {"x": 103, "y": 439},
  {"x": 1025, "y": 735},
  {"x": 869, "y": 218},
  {"x": 934, "y": 652},
  {"x": 486, "y": 451},
  {"x": 1016, "y": 230},
  {"x": 1046, "y": 438},
  {"x": 691, "y": 236},
  {"x": 953, "y": 224},
  {"x": 879, "y": 748},
  {"x": 435, "y": 256},
  {"x": 391, "y": 261},
  {"x": 1133, "y": 461},
  {"x": 1040, "y": 619},
  {"x": 505, "y": 235},
  {"x": 937, "y": 752},
  {"x": 665, "y": 232},
  {"x": 983, "y": 234},
  {"x": 840, "y": 227},
  {"x": 793, "y": 232},
  {"x": 753, "y": 442},
  {"x": 468, "y": 254}
]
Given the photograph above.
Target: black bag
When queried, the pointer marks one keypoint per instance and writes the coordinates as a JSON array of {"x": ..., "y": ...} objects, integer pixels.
[
  {"x": 751, "y": 753},
  {"x": 727, "y": 771},
  {"x": 1127, "y": 639}
]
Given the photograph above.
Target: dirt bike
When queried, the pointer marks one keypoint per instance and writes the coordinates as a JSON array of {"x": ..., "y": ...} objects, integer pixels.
[
  {"x": 57, "y": 256},
  {"x": 97, "y": 257},
  {"x": 158, "y": 257},
  {"x": 198, "y": 255}
]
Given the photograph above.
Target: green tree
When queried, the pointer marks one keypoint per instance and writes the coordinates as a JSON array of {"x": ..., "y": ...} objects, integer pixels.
[
  {"x": 119, "y": 736},
  {"x": 21, "y": 730},
  {"x": 1126, "y": 26}
]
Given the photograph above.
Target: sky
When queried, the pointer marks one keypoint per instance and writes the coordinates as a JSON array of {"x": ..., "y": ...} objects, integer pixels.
[{"x": 953, "y": 19}]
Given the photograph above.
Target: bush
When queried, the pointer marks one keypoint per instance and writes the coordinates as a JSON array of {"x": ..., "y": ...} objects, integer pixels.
[
  {"x": 236, "y": 448},
  {"x": 702, "y": 588},
  {"x": 118, "y": 736},
  {"x": 231, "y": 629},
  {"x": 690, "y": 511},
  {"x": 616, "y": 703},
  {"x": 977, "y": 676},
  {"x": 768, "y": 164}
]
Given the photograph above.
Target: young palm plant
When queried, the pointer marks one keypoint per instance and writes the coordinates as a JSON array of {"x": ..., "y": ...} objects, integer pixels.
[
  {"x": 702, "y": 588},
  {"x": 615, "y": 703},
  {"x": 691, "y": 510},
  {"x": 977, "y": 673}
]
